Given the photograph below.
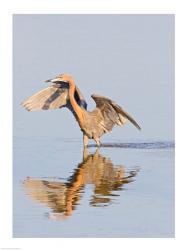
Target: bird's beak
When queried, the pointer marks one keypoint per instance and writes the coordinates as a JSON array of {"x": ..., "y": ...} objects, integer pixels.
[{"x": 53, "y": 80}]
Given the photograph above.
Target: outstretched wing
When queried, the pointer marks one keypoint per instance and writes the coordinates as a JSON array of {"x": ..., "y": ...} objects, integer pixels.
[
  {"x": 112, "y": 113},
  {"x": 53, "y": 97}
]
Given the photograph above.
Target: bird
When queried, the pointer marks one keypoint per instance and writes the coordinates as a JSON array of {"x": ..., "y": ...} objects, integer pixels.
[{"x": 63, "y": 92}]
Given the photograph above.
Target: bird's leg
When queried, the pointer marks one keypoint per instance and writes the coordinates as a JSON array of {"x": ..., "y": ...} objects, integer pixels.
[
  {"x": 97, "y": 141},
  {"x": 85, "y": 140}
]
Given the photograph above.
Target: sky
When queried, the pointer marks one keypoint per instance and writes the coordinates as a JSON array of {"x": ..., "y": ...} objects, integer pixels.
[{"x": 127, "y": 58}]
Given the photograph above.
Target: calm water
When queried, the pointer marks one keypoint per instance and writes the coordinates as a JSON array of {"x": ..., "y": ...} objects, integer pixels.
[{"x": 120, "y": 190}]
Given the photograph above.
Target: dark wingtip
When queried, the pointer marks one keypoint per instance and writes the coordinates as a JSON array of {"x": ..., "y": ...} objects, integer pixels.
[
  {"x": 139, "y": 128},
  {"x": 136, "y": 125},
  {"x": 132, "y": 121}
]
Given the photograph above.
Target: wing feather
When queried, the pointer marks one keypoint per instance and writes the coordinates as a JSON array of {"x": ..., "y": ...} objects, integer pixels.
[
  {"x": 48, "y": 98},
  {"x": 112, "y": 112},
  {"x": 53, "y": 97}
]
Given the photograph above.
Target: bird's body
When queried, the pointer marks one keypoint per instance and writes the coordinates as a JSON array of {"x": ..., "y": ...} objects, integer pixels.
[{"x": 93, "y": 124}]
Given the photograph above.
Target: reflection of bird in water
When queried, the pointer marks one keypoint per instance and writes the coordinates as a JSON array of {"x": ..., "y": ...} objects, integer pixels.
[
  {"x": 64, "y": 93},
  {"x": 95, "y": 169}
]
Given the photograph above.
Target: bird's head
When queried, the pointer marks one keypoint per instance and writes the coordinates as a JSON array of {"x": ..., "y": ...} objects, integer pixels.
[{"x": 65, "y": 78}]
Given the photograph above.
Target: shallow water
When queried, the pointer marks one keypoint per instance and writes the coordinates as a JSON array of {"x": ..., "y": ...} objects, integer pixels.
[{"x": 62, "y": 191}]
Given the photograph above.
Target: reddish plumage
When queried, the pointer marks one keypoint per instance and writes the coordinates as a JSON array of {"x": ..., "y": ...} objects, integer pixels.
[{"x": 64, "y": 93}]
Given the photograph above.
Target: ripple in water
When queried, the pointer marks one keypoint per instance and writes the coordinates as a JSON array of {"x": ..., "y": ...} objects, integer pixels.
[{"x": 141, "y": 145}]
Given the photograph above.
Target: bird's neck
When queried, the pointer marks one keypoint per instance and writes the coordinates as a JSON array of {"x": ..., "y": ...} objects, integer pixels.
[
  {"x": 73, "y": 191},
  {"x": 78, "y": 110}
]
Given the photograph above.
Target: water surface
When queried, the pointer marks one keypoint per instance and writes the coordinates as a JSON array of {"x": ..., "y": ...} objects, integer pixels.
[{"x": 119, "y": 190}]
